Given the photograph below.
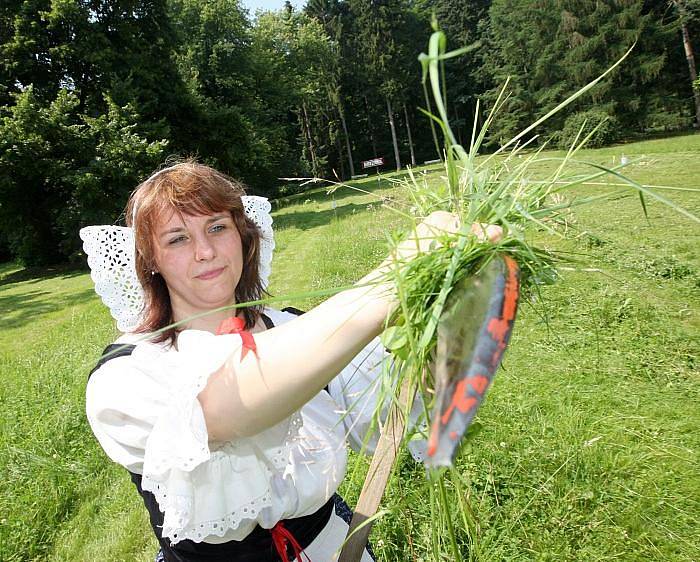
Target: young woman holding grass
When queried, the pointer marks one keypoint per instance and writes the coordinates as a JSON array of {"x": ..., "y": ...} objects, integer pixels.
[{"x": 230, "y": 418}]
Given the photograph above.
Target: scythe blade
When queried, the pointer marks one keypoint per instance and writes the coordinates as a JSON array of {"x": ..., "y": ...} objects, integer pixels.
[{"x": 473, "y": 333}]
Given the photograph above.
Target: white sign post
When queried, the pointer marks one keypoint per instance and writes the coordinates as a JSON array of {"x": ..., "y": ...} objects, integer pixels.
[{"x": 373, "y": 163}]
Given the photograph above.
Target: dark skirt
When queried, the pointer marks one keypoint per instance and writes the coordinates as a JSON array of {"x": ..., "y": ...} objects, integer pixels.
[{"x": 342, "y": 510}]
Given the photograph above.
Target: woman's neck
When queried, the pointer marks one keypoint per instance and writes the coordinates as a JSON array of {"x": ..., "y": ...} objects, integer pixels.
[{"x": 208, "y": 322}]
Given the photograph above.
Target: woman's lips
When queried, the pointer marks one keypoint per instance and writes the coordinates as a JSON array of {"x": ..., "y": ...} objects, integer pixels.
[{"x": 210, "y": 274}]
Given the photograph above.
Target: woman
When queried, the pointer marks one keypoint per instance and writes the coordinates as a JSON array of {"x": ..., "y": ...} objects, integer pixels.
[{"x": 231, "y": 439}]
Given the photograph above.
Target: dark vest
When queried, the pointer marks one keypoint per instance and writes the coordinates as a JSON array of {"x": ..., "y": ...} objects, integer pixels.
[{"x": 257, "y": 546}]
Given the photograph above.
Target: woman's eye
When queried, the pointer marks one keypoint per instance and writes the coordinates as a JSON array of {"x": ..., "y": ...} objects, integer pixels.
[
  {"x": 177, "y": 240},
  {"x": 217, "y": 228}
]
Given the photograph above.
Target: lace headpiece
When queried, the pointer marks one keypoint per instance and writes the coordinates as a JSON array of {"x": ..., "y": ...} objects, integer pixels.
[{"x": 111, "y": 255}]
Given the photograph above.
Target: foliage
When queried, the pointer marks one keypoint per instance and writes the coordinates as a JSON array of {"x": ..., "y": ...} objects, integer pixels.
[
  {"x": 296, "y": 94},
  {"x": 229, "y": 125},
  {"x": 378, "y": 25},
  {"x": 600, "y": 128},
  {"x": 299, "y": 61},
  {"x": 552, "y": 48},
  {"x": 61, "y": 169}
]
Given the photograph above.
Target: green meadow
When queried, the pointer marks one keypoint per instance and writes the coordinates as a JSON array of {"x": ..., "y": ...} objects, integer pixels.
[{"x": 590, "y": 439}]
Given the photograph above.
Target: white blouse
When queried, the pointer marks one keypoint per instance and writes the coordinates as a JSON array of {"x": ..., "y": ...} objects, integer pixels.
[{"x": 144, "y": 411}]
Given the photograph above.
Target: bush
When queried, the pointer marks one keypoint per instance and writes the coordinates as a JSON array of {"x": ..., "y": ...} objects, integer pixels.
[
  {"x": 608, "y": 131},
  {"x": 61, "y": 169}
]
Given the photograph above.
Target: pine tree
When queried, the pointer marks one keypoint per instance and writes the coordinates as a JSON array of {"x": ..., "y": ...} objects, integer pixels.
[
  {"x": 332, "y": 15},
  {"x": 379, "y": 24},
  {"x": 551, "y": 48},
  {"x": 687, "y": 11}
]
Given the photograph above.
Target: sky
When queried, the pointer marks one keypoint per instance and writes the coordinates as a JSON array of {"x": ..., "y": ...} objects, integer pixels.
[{"x": 254, "y": 5}]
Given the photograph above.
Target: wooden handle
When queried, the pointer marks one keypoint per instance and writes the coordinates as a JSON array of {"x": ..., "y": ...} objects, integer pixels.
[{"x": 376, "y": 480}]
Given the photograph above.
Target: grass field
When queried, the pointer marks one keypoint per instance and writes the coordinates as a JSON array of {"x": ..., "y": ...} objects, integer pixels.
[{"x": 590, "y": 445}]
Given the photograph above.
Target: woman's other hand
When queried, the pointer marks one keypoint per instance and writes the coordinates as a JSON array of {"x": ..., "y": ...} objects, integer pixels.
[
  {"x": 427, "y": 233},
  {"x": 487, "y": 232}
]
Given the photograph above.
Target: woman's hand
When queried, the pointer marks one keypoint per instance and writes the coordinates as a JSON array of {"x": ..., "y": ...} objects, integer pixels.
[
  {"x": 487, "y": 232},
  {"x": 439, "y": 223}
]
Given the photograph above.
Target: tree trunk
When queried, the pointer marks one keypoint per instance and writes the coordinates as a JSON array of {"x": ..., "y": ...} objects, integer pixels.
[
  {"x": 410, "y": 138},
  {"x": 691, "y": 68},
  {"x": 347, "y": 140},
  {"x": 305, "y": 136},
  {"x": 312, "y": 151},
  {"x": 393, "y": 134},
  {"x": 340, "y": 161},
  {"x": 371, "y": 130}
]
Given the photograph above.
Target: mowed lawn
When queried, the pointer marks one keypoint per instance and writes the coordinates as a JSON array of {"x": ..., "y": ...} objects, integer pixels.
[{"x": 590, "y": 445}]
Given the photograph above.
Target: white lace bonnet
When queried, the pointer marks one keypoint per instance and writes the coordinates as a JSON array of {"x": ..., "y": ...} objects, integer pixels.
[{"x": 111, "y": 255}]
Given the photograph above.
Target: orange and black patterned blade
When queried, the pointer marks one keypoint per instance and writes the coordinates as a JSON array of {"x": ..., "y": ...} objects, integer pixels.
[{"x": 473, "y": 333}]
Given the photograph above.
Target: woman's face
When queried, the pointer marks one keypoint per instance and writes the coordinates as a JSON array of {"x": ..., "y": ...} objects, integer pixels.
[{"x": 201, "y": 259}]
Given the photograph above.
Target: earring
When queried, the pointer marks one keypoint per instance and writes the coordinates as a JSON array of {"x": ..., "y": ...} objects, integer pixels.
[{"x": 153, "y": 272}]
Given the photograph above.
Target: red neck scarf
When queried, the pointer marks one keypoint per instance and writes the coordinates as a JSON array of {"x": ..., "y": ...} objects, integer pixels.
[{"x": 235, "y": 325}]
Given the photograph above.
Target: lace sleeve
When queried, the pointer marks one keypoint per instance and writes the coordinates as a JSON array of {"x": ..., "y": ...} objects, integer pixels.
[
  {"x": 145, "y": 413},
  {"x": 356, "y": 390}
]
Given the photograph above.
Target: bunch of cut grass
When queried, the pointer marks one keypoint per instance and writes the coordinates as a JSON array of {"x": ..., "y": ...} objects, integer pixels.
[{"x": 502, "y": 189}]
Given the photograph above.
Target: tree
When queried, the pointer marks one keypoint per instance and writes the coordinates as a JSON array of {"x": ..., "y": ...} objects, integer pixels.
[
  {"x": 686, "y": 10},
  {"x": 60, "y": 170},
  {"x": 465, "y": 22},
  {"x": 551, "y": 48},
  {"x": 520, "y": 47},
  {"x": 376, "y": 23},
  {"x": 331, "y": 14},
  {"x": 300, "y": 61},
  {"x": 225, "y": 124}
]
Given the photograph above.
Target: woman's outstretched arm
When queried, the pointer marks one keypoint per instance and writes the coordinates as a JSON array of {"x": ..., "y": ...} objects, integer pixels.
[{"x": 297, "y": 359}]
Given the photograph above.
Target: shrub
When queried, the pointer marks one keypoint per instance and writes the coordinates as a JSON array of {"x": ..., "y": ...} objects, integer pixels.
[
  {"x": 61, "y": 169},
  {"x": 608, "y": 130}
]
